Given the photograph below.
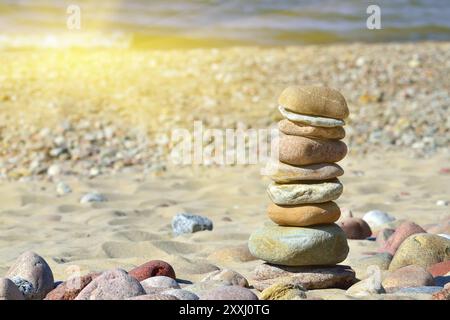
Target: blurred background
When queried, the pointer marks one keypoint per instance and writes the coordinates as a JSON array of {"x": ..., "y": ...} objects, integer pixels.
[
  {"x": 194, "y": 23},
  {"x": 105, "y": 97}
]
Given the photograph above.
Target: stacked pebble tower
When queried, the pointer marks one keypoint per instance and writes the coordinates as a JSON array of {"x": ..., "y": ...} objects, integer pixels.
[{"x": 305, "y": 182}]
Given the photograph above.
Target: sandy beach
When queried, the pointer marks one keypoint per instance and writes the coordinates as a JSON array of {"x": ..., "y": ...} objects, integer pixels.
[
  {"x": 103, "y": 124},
  {"x": 133, "y": 226}
]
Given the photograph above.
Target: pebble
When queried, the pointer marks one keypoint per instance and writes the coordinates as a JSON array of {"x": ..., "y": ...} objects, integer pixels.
[
  {"x": 295, "y": 150},
  {"x": 442, "y": 203},
  {"x": 305, "y": 192},
  {"x": 422, "y": 249},
  {"x": 53, "y": 170},
  {"x": 402, "y": 232},
  {"x": 383, "y": 235},
  {"x": 63, "y": 188},
  {"x": 443, "y": 235},
  {"x": 284, "y": 173},
  {"x": 200, "y": 288},
  {"x": 443, "y": 227},
  {"x": 381, "y": 260},
  {"x": 303, "y": 215},
  {"x": 439, "y": 269},
  {"x": 376, "y": 218},
  {"x": 181, "y": 294},
  {"x": 444, "y": 294},
  {"x": 70, "y": 289},
  {"x": 152, "y": 268},
  {"x": 92, "y": 197},
  {"x": 369, "y": 286},
  {"x": 114, "y": 284},
  {"x": 190, "y": 223},
  {"x": 229, "y": 293},
  {"x": 9, "y": 291},
  {"x": 298, "y": 246},
  {"x": 314, "y": 277},
  {"x": 297, "y": 129},
  {"x": 314, "y": 100},
  {"x": 285, "y": 289},
  {"x": 159, "y": 282},
  {"x": 420, "y": 290},
  {"x": 355, "y": 228},
  {"x": 32, "y": 270},
  {"x": 405, "y": 277},
  {"x": 228, "y": 276},
  {"x": 159, "y": 296},
  {"x": 442, "y": 280}
]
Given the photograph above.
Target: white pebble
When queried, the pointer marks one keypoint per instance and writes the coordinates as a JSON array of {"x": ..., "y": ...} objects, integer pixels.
[
  {"x": 442, "y": 203},
  {"x": 92, "y": 197},
  {"x": 375, "y": 218},
  {"x": 62, "y": 188},
  {"x": 54, "y": 170}
]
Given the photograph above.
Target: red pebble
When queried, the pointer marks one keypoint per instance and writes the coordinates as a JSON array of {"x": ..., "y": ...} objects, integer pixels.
[
  {"x": 402, "y": 232},
  {"x": 151, "y": 269},
  {"x": 440, "y": 269},
  {"x": 69, "y": 289}
]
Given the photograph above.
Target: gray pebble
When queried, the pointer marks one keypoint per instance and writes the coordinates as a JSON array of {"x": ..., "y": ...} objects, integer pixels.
[
  {"x": 190, "y": 223},
  {"x": 182, "y": 294}
]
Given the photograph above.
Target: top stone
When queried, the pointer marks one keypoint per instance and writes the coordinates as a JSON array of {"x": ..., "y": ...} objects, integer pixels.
[{"x": 315, "y": 101}]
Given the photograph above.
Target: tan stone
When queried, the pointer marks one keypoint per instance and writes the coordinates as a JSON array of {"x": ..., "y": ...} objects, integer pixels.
[
  {"x": 298, "y": 129},
  {"x": 285, "y": 289},
  {"x": 314, "y": 100},
  {"x": 421, "y": 249},
  {"x": 304, "y": 215},
  {"x": 285, "y": 173},
  {"x": 297, "y": 150}
]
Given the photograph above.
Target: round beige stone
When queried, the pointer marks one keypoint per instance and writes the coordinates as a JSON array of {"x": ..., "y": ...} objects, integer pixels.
[
  {"x": 314, "y": 100},
  {"x": 305, "y": 193},
  {"x": 304, "y": 215},
  {"x": 299, "y": 151},
  {"x": 285, "y": 173},
  {"x": 421, "y": 249},
  {"x": 298, "y": 129}
]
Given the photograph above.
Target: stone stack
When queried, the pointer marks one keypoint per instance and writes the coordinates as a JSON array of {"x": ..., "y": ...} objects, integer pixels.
[{"x": 305, "y": 182}]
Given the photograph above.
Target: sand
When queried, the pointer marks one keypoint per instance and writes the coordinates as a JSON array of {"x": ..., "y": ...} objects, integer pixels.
[
  {"x": 397, "y": 95},
  {"x": 133, "y": 226}
]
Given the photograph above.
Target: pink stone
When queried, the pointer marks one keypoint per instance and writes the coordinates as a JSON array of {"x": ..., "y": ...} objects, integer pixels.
[
  {"x": 440, "y": 269},
  {"x": 402, "y": 232}
]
